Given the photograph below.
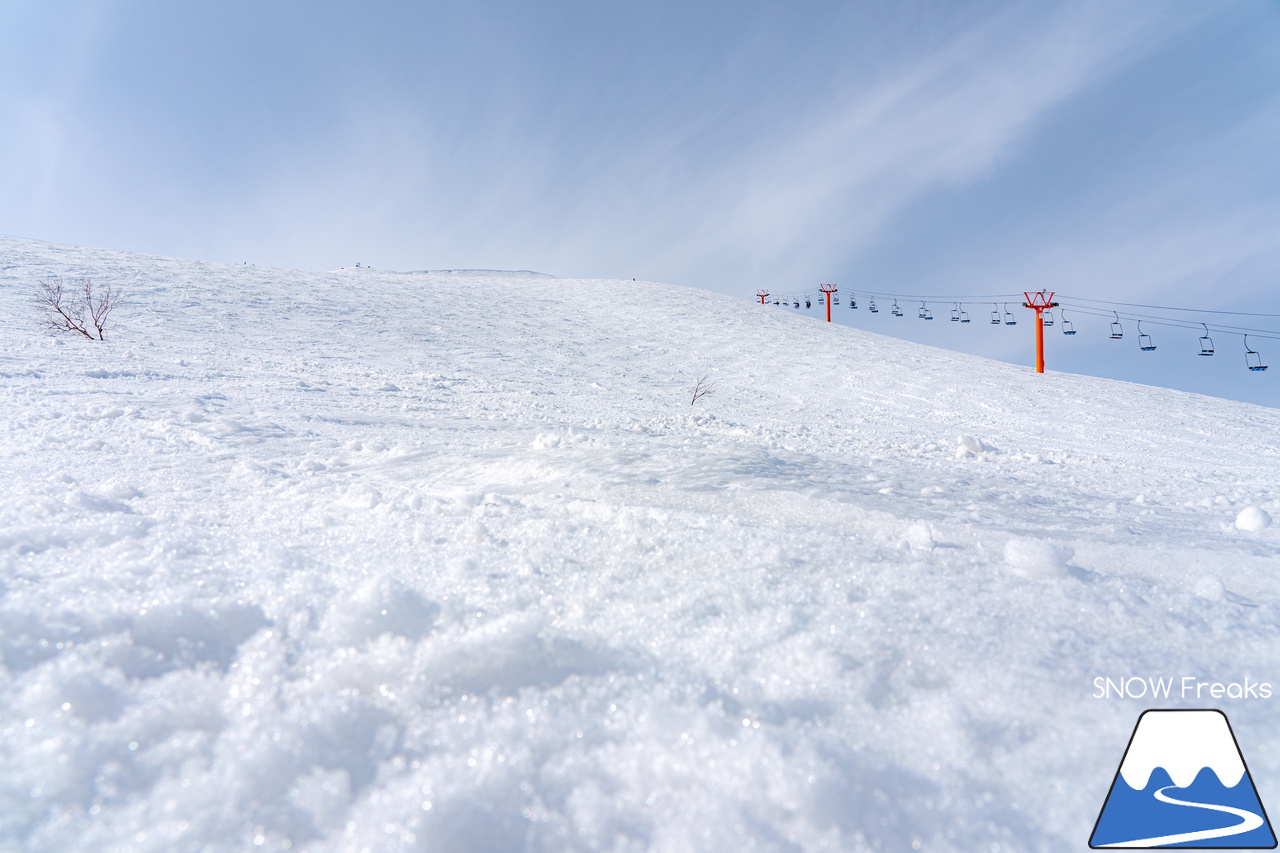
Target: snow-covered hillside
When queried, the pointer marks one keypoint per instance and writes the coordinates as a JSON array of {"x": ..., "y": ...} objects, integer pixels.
[{"x": 445, "y": 562}]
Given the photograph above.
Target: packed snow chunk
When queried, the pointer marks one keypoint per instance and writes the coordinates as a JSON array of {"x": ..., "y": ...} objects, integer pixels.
[
  {"x": 548, "y": 440},
  {"x": 324, "y": 795},
  {"x": 183, "y": 634},
  {"x": 968, "y": 446},
  {"x": 1036, "y": 558},
  {"x": 381, "y": 606},
  {"x": 1252, "y": 519},
  {"x": 96, "y": 503},
  {"x": 1209, "y": 588},
  {"x": 361, "y": 497},
  {"x": 72, "y": 686},
  {"x": 920, "y": 537},
  {"x": 516, "y": 651}
]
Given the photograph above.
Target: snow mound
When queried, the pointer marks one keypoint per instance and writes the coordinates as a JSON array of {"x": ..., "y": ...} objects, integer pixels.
[
  {"x": 380, "y": 606},
  {"x": 967, "y": 446},
  {"x": 1252, "y": 519},
  {"x": 1209, "y": 587},
  {"x": 1036, "y": 558}
]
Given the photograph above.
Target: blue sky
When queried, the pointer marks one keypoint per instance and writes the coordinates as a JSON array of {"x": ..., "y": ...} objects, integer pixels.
[{"x": 1108, "y": 150}]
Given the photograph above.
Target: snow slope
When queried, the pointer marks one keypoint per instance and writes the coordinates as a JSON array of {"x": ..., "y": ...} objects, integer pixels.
[{"x": 370, "y": 560}]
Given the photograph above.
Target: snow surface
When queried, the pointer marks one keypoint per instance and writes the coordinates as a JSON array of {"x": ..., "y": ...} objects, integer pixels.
[
  {"x": 372, "y": 560},
  {"x": 1183, "y": 743}
]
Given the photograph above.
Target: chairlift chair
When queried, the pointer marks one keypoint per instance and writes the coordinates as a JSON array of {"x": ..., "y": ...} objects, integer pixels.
[
  {"x": 871, "y": 306},
  {"x": 995, "y": 314},
  {"x": 853, "y": 301},
  {"x": 924, "y": 314},
  {"x": 797, "y": 303},
  {"x": 1206, "y": 342},
  {"x": 1048, "y": 318},
  {"x": 1117, "y": 331},
  {"x": 807, "y": 303},
  {"x": 955, "y": 313},
  {"x": 1008, "y": 316},
  {"x": 835, "y": 300},
  {"x": 1144, "y": 341},
  {"x": 821, "y": 300},
  {"x": 1251, "y": 358},
  {"x": 1067, "y": 328},
  {"x": 895, "y": 310}
]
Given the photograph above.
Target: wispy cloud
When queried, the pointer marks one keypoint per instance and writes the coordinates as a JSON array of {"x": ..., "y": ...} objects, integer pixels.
[
  {"x": 688, "y": 190},
  {"x": 798, "y": 198}
]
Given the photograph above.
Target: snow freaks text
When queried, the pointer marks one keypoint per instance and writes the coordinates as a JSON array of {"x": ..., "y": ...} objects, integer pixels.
[{"x": 1184, "y": 687}]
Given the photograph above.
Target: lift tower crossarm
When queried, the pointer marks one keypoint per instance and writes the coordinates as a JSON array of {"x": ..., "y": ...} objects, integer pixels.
[
  {"x": 1039, "y": 302},
  {"x": 828, "y": 289}
]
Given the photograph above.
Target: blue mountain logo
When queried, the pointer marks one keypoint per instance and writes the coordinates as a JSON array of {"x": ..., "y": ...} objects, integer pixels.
[{"x": 1183, "y": 783}]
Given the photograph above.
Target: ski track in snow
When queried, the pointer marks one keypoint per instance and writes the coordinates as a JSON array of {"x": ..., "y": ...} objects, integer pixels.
[
  {"x": 1248, "y": 822},
  {"x": 348, "y": 560}
]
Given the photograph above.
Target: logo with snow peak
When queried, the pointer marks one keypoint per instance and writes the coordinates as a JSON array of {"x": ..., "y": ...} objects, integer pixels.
[{"x": 1183, "y": 783}]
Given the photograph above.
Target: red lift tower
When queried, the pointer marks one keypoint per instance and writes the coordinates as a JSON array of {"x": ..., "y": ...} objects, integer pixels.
[
  {"x": 828, "y": 289},
  {"x": 763, "y": 294},
  {"x": 1039, "y": 302}
]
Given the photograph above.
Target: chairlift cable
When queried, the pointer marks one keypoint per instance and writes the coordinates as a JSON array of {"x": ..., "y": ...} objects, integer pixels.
[
  {"x": 1174, "y": 322},
  {"x": 1172, "y": 308}
]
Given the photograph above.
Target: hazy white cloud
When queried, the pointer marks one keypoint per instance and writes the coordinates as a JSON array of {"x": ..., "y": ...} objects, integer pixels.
[{"x": 801, "y": 196}]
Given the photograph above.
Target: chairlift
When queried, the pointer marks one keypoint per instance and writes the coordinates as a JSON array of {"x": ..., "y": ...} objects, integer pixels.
[
  {"x": 955, "y": 313},
  {"x": 1144, "y": 341},
  {"x": 895, "y": 310},
  {"x": 1117, "y": 331},
  {"x": 1067, "y": 328},
  {"x": 797, "y": 303},
  {"x": 821, "y": 300},
  {"x": 1251, "y": 358},
  {"x": 807, "y": 303},
  {"x": 853, "y": 302},
  {"x": 835, "y": 300},
  {"x": 1206, "y": 342},
  {"x": 871, "y": 306},
  {"x": 1008, "y": 316},
  {"x": 1047, "y": 317},
  {"x": 924, "y": 314},
  {"x": 995, "y": 314},
  {"x": 964, "y": 315}
]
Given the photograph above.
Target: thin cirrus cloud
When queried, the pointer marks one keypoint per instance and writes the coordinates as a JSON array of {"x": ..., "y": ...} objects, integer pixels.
[
  {"x": 797, "y": 200},
  {"x": 707, "y": 188}
]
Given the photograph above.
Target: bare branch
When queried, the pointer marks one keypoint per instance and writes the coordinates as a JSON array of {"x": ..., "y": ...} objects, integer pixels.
[
  {"x": 99, "y": 306},
  {"x": 702, "y": 389},
  {"x": 85, "y": 311},
  {"x": 66, "y": 314}
]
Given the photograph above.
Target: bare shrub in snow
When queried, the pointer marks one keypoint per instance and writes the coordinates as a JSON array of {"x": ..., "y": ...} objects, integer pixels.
[
  {"x": 79, "y": 308},
  {"x": 702, "y": 389}
]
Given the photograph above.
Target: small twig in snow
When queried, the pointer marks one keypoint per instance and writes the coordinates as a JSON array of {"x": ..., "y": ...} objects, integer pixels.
[{"x": 702, "y": 389}]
